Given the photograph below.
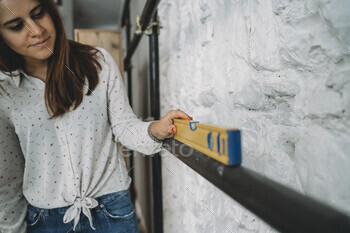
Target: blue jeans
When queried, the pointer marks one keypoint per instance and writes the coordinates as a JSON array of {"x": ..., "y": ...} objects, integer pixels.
[{"x": 114, "y": 214}]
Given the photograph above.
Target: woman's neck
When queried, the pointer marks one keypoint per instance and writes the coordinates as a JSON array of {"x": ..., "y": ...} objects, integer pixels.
[{"x": 37, "y": 70}]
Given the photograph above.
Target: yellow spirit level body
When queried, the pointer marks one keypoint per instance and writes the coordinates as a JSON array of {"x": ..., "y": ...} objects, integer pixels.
[{"x": 221, "y": 144}]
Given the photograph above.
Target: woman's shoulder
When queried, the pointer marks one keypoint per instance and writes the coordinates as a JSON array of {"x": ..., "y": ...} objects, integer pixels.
[
  {"x": 106, "y": 60},
  {"x": 106, "y": 56}
]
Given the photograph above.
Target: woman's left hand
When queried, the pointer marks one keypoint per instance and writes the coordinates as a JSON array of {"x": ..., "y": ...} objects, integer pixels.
[{"x": 164, "y": 128}]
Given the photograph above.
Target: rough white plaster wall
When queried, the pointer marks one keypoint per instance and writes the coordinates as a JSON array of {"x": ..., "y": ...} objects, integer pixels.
[{"x": 278, "y": 70}]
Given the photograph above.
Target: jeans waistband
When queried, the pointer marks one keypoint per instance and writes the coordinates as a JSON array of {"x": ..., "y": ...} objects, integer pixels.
[{"x": 104, "y": 199}]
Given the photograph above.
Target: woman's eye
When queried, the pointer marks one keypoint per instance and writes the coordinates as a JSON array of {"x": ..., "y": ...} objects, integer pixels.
[
  {"x": 17, "y": 27},
  {"x": 39, "y": 15}
]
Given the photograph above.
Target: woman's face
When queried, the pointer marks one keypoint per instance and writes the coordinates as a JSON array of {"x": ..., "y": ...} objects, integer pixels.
[{"x": 24, "y": 23}]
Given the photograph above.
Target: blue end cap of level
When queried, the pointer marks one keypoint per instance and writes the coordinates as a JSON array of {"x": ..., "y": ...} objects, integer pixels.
[{"x": 234, "y": 147}]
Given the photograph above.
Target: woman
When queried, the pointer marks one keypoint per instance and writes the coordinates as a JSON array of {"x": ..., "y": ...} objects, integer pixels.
[{"x": 62, "y": 109}]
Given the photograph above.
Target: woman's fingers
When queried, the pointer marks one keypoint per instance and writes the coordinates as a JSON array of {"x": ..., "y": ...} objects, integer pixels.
[
  {"x": 178, "y": 114},
  {"x": 165, "y": 128},
  {"x": 171, "y": 131}
]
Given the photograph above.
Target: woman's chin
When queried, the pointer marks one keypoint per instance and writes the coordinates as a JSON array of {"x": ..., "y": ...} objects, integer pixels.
[{"x": 41, "y": 53}]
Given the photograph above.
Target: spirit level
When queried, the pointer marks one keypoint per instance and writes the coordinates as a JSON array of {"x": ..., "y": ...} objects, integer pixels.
[{"x": 221, "y": 144}]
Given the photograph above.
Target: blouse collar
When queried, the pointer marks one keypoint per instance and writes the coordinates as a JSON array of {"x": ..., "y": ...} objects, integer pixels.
[{"x": 16, "y": 78}]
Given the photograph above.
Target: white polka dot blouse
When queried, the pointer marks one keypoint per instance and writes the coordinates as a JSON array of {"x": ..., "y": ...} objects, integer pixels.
[{"x": 70, "y": 160}]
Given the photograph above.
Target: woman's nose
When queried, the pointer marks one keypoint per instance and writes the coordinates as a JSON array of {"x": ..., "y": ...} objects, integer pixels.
[{"x": 34, "y": 28}]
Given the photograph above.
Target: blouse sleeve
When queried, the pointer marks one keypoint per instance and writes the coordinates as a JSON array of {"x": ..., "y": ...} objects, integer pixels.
[
  {"x": 126, "y": 127},
  {"x": 13, "y": 205}
]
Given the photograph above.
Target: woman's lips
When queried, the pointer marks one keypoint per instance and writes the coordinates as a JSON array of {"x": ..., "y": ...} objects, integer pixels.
[{"x": 42, "y": 43}]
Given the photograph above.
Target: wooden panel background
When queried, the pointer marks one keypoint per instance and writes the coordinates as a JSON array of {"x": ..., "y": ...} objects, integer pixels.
[{"x": 111, "y": 40}]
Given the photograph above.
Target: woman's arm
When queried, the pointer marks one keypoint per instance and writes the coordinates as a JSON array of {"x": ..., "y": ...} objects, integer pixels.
[
  {"x": 13, "y": 205},
  {"x": 126, "y": 127}
]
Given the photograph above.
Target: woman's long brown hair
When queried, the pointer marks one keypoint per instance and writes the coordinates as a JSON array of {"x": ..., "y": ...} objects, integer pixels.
[{"x": 69, "y": 66}]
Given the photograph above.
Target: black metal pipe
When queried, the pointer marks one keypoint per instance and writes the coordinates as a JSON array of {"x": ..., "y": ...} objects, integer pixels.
[
  {"x": 283, "y": 208},
  {"x": 155, "y": 111},
  {"x": 126, "y": 14},
  {"x": 126, "y": 22},
  {"x": 147, "y": 14}
]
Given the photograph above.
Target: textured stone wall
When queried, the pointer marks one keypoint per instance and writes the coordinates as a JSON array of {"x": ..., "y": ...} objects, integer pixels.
[{"x": 279, "y": 71}]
